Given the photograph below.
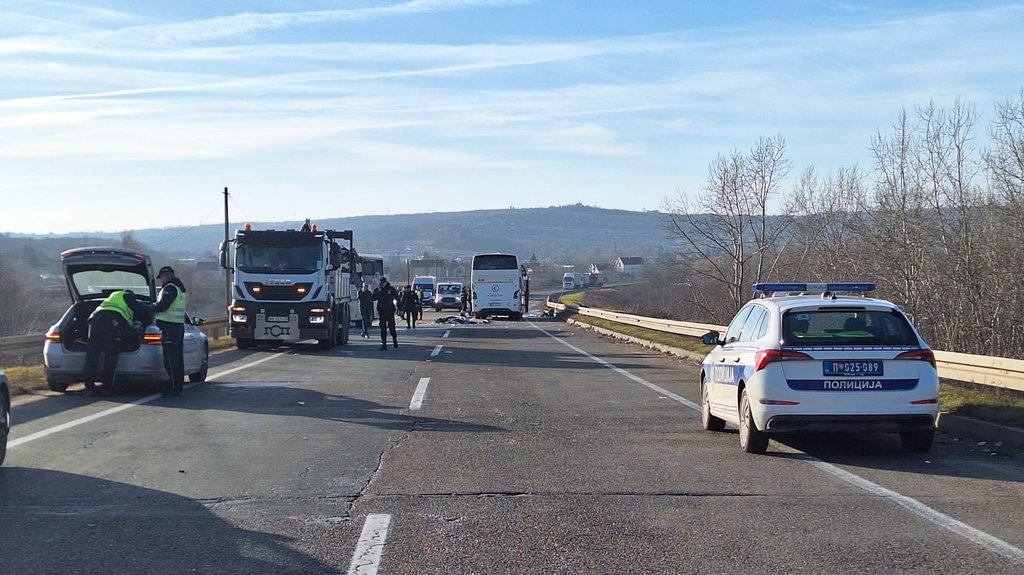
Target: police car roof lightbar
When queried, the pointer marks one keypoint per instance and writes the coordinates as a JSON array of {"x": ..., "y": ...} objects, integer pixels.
[{"x": 814, "y": 287}]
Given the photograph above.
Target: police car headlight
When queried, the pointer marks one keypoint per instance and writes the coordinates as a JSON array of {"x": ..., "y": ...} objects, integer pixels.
[
  {"x": 239, "y": 317},
  {"x": 317, "y": 319}
]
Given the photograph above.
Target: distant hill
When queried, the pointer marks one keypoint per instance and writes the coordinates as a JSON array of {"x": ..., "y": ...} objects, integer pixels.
[{"x": 554, "y": 232}]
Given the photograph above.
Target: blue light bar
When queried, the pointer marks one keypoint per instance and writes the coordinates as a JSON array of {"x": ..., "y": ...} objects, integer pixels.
[{"x": 819, "y": 287}]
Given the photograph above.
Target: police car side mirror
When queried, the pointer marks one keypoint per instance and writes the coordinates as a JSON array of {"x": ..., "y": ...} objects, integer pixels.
[
  {"x": 197, "y": 321},
  {"x": 711, "y": 338}
]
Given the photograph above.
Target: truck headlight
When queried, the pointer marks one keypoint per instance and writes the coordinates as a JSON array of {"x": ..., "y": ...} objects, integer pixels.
[
  {"x": 317, "y": 319},
  {"x": 239, "y": 317}
]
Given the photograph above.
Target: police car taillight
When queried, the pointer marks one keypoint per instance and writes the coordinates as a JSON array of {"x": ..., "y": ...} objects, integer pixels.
[
  {"x": 765, "y": 356},
  {"x": 53, "y": 335},
  {"x": 921, "y": 354},
  {"x": 153, "y": 339}
]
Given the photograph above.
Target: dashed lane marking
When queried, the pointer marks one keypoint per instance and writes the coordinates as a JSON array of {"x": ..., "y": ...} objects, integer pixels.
[
  {"x": 437, "y": 351},
  {"x": 370, "y": 548},
  {"x": 417, "y": 396}
]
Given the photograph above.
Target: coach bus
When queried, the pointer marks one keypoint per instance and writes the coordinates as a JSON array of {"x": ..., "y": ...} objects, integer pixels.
[{"x": 497, "y": 286}]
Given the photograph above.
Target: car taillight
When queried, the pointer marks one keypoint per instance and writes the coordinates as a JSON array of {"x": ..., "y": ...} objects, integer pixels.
[
  {"x": 919, "y": 354},
  {"x": 765, "y": 356},
  {"x": 153, "y": 339},
  {"x": 53, "y": 335}
]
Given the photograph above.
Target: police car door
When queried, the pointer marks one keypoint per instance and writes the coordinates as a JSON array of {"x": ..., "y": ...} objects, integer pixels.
[{"x": 723, "y": 363}]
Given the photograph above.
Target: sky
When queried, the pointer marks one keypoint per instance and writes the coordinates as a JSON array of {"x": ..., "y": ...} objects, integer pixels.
[{"x": 120, "y": 115}]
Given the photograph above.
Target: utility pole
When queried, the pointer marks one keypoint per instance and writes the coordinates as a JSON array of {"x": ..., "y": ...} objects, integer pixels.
[{"x": 227, "y": 256}]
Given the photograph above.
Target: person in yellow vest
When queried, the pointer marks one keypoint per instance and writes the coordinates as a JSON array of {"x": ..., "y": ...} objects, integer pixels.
[
  {"x": 110, "y": 331},
  {"x": 170, "y": 318}
]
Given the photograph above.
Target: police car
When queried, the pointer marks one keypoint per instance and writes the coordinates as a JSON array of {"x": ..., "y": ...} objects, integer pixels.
[{"x": 819, "y": 357}]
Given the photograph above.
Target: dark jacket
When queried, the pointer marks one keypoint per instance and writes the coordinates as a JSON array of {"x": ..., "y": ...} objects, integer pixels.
[
  {"x": 365, "y": 300},
  {"x": 385, "y": 297},
  {"x": 410, "y": 300}
]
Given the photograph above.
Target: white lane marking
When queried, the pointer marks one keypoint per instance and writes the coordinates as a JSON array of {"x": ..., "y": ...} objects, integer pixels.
[
  {"x": 421, "y": 391},
  {"x": 370, "y": 547},
  {"x": 437, "y": 351},
  {"x": 76, "y": 422},
  {"x": 623, "y": 372},
  {"x": 446, "y": 334},
  {"x": 976, "y": 536}
]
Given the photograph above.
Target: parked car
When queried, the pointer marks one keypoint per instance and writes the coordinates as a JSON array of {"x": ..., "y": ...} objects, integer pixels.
[
  {"x": 804, "y": 357},
  {"x": 447, "y": 296},
  {"x": 92, "y": 274},
  {"x": 5, "y": 414}
]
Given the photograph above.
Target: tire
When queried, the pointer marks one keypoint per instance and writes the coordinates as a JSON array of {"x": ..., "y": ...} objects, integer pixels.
[
  {"x": 58, "y": 386},
  {"x": 516, "y": 316},
  {"x": 243, "y": 343},
  {"x": 5, "y": 425},
  {"x": 204, "y": 367},
  {"x": 437, "y": 309},
  {"x": 751, "y": 440},
  {"x": 707, "y": 421},
  {"x": 917, "y": 441}
]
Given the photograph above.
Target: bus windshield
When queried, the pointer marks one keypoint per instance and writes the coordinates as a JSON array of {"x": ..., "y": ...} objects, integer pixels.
[{"x": 495, "y": 262}]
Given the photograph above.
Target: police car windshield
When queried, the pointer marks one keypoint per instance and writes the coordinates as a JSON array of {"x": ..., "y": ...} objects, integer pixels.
[{"x": 846, "y": 327}]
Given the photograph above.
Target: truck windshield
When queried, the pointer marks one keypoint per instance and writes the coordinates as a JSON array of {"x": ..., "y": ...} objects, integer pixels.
[{"x": 282, "y": 259}]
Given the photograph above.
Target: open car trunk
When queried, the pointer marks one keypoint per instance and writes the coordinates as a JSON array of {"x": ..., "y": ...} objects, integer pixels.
[{"x": 74, "y": 328}]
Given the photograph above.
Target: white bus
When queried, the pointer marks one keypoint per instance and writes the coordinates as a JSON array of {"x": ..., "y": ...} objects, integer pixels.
[
  {"x": 369, "y": 269},
  {"x": 497, "y": 286}
]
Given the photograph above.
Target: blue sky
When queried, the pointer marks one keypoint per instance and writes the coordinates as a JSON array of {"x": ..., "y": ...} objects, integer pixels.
[{"x": 122, "y": 115}]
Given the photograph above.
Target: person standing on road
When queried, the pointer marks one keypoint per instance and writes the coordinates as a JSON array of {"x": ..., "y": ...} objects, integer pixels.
[
  {"x": 170, "y": 318},
  {"x": 464, "y": 300},
  {"x": 366, "y": 308},
  {"x": 410, "y": 303},
  {"x": 386, "y": 295},
  {"x": 111, "y": 325}
]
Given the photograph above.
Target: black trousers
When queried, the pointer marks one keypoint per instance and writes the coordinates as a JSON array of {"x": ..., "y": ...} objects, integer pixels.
[
  {"x": 106, "y": 332},
  {"x": 387, "y": 322},
  {"x": 174, "y": 353}
]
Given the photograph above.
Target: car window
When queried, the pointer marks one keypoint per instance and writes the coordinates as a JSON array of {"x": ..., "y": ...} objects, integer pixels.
[
  {"x": 733, "y": 332},
  {"x": 847, "y": 327},
  {"x": 754, "y": 320}
]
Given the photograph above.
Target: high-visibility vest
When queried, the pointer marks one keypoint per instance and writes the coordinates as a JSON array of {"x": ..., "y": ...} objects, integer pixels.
[
  {"x": 115, "y": 302},
  {"x": 175, "y": 313}
]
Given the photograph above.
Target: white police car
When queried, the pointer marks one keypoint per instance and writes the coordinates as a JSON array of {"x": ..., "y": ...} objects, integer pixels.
[{"x": 819, "y": 357}]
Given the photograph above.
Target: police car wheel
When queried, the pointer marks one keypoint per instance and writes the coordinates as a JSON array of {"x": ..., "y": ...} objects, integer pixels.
[
  {"x": 917, "y": 441},
  {"x": 5, "y": 426},
  {"x": 751, "y": 440},
  {"x": 204, "y": 367},
  {"x": 707, "y": 421},
  {"x": 58, "y": 386}
]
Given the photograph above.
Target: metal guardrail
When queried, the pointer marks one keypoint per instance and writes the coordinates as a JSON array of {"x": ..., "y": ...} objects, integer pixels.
[
  {"x": 25, "y": 349},
  {"x": 980, "y": 369}
]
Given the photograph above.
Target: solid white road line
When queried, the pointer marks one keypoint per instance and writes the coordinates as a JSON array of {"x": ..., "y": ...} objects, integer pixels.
[
  {"x": 976, "y": 536},
  {"x": 113, "y": 410},
  {"x": 370, "y": 547},
  {"x": 437, "y": 351},
  {"x": 417, "y": 396}
]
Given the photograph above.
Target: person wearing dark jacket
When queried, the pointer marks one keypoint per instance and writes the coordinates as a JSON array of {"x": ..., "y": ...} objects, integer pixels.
[
  {"x": 112, "y": 326},
  {"x": 386, "y": 295},
  {"x": 366, "y": 308},
  {"x": 170, "y": 318},
  {"x": 410, "y": 302}
]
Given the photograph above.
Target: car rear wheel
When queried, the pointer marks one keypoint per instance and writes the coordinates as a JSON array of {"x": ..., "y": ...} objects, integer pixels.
[
  {"x": 707, "y": 421},
  {"x": 917, "y": 441},
  {"x": 58, "y": 386},
  {"x": 751, "y": 439},
  {"x": 204, "y": 367}
]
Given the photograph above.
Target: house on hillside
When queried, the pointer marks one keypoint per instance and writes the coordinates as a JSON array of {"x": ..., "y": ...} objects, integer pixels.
[
  {"x": 602, "y": 268},
  {"x": 630, "y": 266}
]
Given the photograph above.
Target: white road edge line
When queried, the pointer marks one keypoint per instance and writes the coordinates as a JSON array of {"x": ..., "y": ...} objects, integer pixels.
[
  {"x": 437, "y": 351},
  {"x": 418, "y": 395},
  {"x": 76, "y": 422},
  {"x": 976, "y": 536},
  {"x": 370, "y": 547}
]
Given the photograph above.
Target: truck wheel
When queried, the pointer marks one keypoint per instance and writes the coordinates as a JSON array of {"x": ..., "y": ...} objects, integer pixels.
[
  {"x": 55, "y": 385},
  {"x": 204, "y": 367},
  {"x": 244, "y": 343},
  {"x": 329, "y": 341}
]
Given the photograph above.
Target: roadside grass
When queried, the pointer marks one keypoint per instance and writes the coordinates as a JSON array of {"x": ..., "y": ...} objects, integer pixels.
[
  {"x": 982, "y": 402},
  {"x": 31, "y": 379}
]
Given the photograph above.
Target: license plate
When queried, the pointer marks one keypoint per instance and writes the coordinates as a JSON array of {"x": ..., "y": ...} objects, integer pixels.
[
  {"x": 277, "y": 318},
  {"x": 852, "y": 368}
]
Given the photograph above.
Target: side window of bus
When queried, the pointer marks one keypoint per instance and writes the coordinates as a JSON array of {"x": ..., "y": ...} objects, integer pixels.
[
  {"x": 757, "y": 316},
  {"x": 733, "y": 333}
]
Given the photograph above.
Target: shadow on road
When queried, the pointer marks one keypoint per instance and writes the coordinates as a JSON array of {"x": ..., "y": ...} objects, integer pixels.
[{"x": 59, "y": 523}]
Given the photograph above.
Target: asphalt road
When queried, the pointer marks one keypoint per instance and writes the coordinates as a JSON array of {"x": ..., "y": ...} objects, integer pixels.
[{"x": 503, "y": 448}]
